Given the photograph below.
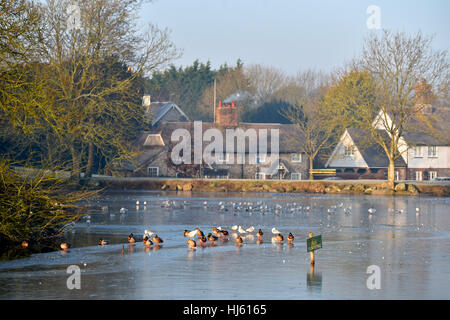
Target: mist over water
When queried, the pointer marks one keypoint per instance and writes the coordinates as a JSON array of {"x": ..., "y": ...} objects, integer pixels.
[{"x": 411, "y": 246}]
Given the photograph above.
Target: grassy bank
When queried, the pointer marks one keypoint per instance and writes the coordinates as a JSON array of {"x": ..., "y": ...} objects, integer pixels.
[{"x": 315, "y": 187}]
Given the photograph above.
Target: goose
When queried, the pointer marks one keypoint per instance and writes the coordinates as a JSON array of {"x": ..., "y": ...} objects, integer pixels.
[
  {"x": 251, "y": 229},
  {"x": 275, "y": 231}
]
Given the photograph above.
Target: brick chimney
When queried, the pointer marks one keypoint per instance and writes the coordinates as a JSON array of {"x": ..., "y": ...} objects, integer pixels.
[
  {"x": 227, "y": 115},
  {"x": 423, "y": 96}
]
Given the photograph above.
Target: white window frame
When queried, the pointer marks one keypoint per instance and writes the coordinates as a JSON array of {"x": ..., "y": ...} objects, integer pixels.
[
  {"x": 397, "y": 174},
  {"x": 260, "y": 174},
  {"x": 157, "y": 171},
  {"x": 296, "y": 157},
  {"x": 434, "y": 153},
  {"x": 419, "y": 176},
  {"x": 298, "y": 175},
  {"x": 432, "y": 175},
  {"x": 418, "y": 152}
]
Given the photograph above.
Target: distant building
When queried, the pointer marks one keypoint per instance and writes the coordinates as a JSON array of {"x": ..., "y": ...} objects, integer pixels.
[
  {"x": 155, "y": 145},
  {"x": 425, "y": 149}
]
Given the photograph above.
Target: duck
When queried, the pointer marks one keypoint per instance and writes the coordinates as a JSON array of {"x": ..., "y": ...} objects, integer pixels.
[
  {"x": 239, "y": 239},
  {"x": 24, "y": 244},
  {"x": 199, "y": 232},
  {"x": 235, "y": 227},
  {"x": 224, "y": 235},
  {"x": 202, "y": 239},
  {"x": 241, "y": 230},
  {"x": 102, "y": 242},
  {"x": 259, "y": 234},
  {"x": 280, "y": 237},
  {"x": 275, "y": 231},
  {"x": 190, "y": 234},
  {"x": 215, "y": 230},
  {"x": 211, "y": 237},
  {"x": 148, "y": 233},
  {"x": 147, "y": 242},
  {"x": 64, "y": 245},
  {"x": 372, "y": 210},
  {"x": 131, "y": 238},
  {"x": 290, "y": 237},
  {"x": 157, "y": 239},
  {"x": 191, "y": 243}
]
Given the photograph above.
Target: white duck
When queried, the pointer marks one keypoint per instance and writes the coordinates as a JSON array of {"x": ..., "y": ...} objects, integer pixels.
[
  {"x": 241, "y": 230},
  {"x": 275, "y": 231}
]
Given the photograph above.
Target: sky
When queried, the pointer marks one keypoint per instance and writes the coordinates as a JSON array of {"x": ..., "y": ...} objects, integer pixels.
[{"x": 291, "y": 35}]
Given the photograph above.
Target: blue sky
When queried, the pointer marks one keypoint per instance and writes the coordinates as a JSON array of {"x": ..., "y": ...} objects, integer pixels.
[{"x": 288, "y": 34}]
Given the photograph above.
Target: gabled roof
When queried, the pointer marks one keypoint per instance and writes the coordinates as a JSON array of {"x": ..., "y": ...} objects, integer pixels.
[
  {"x": 372, "y": 153},
  {"x": 426, "y": 129},
  {"x": 157, "y": 110}
]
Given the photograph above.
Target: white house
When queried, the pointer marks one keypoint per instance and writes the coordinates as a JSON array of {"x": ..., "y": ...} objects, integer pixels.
[{"x": 424, "y": 149}]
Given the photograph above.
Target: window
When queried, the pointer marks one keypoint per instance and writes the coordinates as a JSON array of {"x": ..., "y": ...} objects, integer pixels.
[
  {"x": 432, "y": 175},
  {"x": 153, "y": 171},
  {"x": 296, "y": 157},
  {"x": 296, "y": 176},
  {"x": 418, "y": 152},
  {"x": 349, "y": 150},
  {"x": 432, "y": 152},
  {"x": 260, "y": 176},
  {"x": 418, "y": 175}
]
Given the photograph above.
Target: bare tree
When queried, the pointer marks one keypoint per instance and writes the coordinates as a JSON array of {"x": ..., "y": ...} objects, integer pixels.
[{"x": 397, "y": 62}]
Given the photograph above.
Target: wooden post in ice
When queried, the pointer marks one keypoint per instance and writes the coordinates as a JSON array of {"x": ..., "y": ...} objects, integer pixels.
[
  {"x": 311, "y": 253},
  {"x": 123, "y": 250}
]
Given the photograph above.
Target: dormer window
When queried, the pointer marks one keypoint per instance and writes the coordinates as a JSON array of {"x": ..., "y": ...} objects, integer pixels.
[{"x": 349, "y": 151}]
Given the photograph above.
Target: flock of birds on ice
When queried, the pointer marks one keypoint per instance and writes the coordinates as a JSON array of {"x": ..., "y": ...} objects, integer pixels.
[{"x": 238, "y": 232}]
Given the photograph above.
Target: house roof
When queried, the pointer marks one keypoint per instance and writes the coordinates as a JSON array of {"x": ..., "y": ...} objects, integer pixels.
[
  {"x": 431, "y": 129},
  {"x": 289, "y": 138},
  {"x": 372, "y": 153},
  {"x": 157, "y": 110}
]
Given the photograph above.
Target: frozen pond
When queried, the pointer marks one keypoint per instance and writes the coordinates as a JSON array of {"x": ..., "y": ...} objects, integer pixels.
[{"x": 411, "y": 248}]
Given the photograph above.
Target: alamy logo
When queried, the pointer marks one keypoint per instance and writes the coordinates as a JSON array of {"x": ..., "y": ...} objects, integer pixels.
[
  {"x": 374, "y": 20},
  {"x": 235, "y": 142},
  {"x": 74, "y": 281},
  {"x": 374, "y": 280}
]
